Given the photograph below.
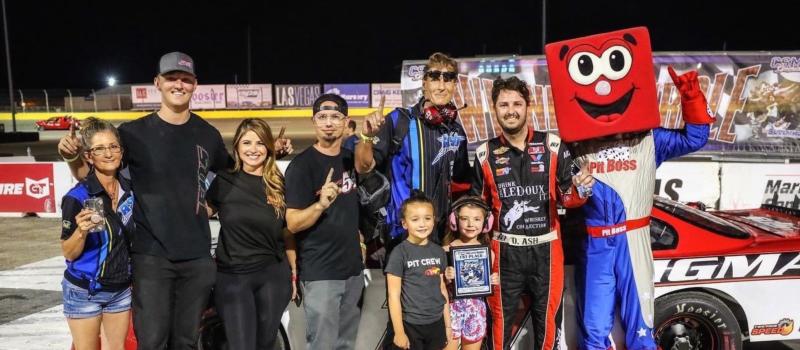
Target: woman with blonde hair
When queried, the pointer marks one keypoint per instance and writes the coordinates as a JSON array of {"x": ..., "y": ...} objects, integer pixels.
[{"x": 255, "y": 255}]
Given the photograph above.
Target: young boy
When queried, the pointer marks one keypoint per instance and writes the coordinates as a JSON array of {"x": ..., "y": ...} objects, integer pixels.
[{"x": 418, "y": 302}]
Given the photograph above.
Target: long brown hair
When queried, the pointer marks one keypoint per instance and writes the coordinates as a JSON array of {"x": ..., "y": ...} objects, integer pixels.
[{"x": 273, "y": 178}]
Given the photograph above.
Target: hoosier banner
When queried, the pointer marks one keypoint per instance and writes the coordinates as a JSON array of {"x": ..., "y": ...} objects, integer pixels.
[
  {"x": 754, "y": 96},
  {"x": 204, "y": 97}
]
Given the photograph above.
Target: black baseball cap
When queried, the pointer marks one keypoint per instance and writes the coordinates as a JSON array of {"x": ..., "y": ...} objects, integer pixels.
[{"x": 341, "y": 104}]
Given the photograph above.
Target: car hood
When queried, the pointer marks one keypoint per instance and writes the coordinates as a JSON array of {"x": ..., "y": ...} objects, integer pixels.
[{"x": 765, "y": 223}]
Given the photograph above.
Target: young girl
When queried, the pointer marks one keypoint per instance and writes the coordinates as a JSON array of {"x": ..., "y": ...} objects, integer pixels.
[
  {"x": 417, "y": 294},
  {"x": 470, "y": 223}
]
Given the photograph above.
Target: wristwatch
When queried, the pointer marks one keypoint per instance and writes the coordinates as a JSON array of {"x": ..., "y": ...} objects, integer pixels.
[{"x": 373, "y": 140}]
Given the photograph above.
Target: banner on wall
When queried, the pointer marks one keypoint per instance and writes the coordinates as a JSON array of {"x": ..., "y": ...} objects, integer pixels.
[
  {"x": 145, "y": 97},
  {"x": 248, "y": 96},
  {"x": 755, "y": 96},
  {"x": 746, "y": 186},
  {"x": 27, "y": 188},
  {"x": 356, "y": 95},
  {"x": 208, "y": 97},
  {"x": 297, "y": 95},
  {"x": 394, "y": 98},
  {"x": 689, "y": 182},
  {"x": 204, "y": 97}
]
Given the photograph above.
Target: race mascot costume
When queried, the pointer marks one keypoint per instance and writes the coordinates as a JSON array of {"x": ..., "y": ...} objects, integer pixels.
[{"x": 604, "y": 93}]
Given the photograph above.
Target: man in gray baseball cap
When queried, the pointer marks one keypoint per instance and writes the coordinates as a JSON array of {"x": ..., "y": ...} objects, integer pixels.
[{"x": 169, "y": 154}]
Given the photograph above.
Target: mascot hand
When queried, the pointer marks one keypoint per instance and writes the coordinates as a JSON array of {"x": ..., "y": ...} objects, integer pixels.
[
  {"x": 693, "y": 102},
  {"x": 687, "y": 84}
]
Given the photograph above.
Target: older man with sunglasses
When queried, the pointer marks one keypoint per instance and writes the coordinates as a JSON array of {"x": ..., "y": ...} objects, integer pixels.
[{"x": 423, "y": 147}]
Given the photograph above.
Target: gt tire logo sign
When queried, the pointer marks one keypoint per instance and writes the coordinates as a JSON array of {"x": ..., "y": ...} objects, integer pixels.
[
  {"x": 27, "y": 188},
  {"x": 37, "y": 188}
]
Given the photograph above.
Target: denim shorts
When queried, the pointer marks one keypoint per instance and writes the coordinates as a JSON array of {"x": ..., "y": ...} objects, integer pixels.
[{"x": 79, "y": 304}]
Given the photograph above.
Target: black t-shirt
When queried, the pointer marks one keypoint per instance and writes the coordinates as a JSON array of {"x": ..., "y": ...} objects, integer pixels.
[
  {"x": 328, "y": 250},
  {"x": 168, "y": 165},
  {"x": 420, "y": 267},
  {"x": 251, "y": 236}
]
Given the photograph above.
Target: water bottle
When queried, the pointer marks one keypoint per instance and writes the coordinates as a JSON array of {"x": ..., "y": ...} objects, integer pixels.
[{"x": 583, "y": 191}]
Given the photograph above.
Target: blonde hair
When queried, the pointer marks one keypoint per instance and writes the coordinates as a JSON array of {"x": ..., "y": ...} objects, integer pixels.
[
  {"x": 91, "y": 126},
  {"x": 438, "y": 59},
  {"x": 273, "y": 178}
]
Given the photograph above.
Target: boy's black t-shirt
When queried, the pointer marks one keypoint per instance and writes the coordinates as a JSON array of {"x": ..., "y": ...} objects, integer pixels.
[
  {"x": 329, "y": 249},
  {"x": 168, "y": 165},
  {"x": 421, "y": 268},
  {"x": 251, "y": 235}
]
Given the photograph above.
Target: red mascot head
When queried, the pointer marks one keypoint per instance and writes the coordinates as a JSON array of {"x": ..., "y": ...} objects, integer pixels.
[{"x": 603, "y": 84}]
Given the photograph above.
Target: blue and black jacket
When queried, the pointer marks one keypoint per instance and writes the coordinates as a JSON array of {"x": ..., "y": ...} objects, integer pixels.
[
  {"x": 431, "y": 158},
  {"x": 104, "y": 263}
]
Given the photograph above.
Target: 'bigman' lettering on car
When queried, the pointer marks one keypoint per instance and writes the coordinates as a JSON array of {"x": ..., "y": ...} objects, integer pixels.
[{"x": 732, "y": 267}]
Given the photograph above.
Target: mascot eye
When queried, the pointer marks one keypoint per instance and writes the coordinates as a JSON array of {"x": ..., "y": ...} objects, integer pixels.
[
  {"x": 583, "y": 68},
  {"x": 585, "y": 65},
  {"x": 616, "y": 62}
]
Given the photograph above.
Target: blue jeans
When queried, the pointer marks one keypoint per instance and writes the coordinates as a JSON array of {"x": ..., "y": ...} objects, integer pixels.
[
  {"x": 79, "y": 304},
  {"x": 332, "y": 312}
]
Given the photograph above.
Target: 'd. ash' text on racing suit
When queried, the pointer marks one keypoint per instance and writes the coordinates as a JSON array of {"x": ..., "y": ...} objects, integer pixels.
[
  {"x": 617, "y": 265},
  {"x": 522, "y": 188}
]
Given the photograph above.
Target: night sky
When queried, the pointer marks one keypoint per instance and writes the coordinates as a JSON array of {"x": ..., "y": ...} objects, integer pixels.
[{"x": 77, "y": 44}]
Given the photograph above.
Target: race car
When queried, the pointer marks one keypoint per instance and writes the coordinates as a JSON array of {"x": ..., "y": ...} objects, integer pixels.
[
  {"x": 61, "y": 122},
  {"x": 722, "y": 277}
]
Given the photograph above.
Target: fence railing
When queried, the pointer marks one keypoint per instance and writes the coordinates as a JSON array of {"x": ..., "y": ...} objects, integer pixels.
[{"x": 67, "y": 100}]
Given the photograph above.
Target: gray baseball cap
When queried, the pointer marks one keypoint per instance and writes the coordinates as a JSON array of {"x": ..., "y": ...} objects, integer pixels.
[{"x": 176, "y": 61}]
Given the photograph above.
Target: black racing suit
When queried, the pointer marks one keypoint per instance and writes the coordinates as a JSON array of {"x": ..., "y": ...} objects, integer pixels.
[{"x": 522, "y": 187}]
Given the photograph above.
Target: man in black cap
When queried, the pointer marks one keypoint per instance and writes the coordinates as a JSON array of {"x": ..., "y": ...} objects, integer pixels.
[
  {"x": 322, "y": 211},
  {"x": 169, "y": 154}
]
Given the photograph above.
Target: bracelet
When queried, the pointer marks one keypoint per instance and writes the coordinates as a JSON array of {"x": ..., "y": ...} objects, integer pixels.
[
  {"x": 365, "y": 138},
  {"x": 294, "y": 277},
  {"x": 363, "y": 246},
  {"x": 69, "y": 160}
]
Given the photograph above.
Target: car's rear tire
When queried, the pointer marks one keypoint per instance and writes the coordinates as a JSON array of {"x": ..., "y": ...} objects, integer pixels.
[
  {"x": 212, "y": 336},
  {"x": 695, "y": 320}
]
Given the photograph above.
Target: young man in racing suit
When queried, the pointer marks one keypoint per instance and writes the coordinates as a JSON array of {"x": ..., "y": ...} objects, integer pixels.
[{"x": 522, "y": 174}]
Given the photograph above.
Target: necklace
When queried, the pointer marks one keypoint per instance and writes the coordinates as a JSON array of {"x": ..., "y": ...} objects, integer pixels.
[{"x": 114, "y": 195}]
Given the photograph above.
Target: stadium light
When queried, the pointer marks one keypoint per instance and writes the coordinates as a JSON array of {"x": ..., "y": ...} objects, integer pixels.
[{"x": 111, "y": 81}]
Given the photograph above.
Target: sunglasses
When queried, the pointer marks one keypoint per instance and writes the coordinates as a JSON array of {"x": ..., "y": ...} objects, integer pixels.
[{"x": 446, "y": 76}]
